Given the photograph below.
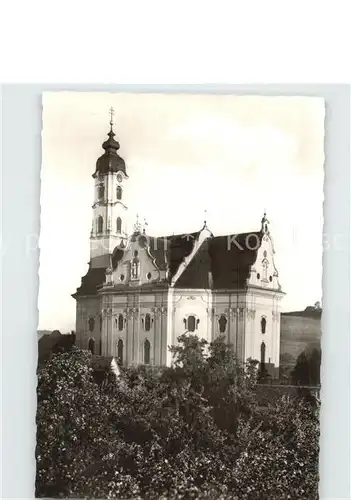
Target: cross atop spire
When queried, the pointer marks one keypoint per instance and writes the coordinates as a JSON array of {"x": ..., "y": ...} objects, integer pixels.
[{"x": 112, "y": 113}]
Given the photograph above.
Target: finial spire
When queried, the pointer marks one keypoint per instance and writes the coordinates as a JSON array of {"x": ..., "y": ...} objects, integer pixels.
[
  {"x": 137, "y": 225},
  {"x": 112, "y": 113},
  {"x": 264, "y": 223}
]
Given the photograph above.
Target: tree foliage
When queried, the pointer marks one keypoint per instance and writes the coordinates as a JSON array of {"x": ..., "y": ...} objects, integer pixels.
[
  {"x": 307, "y": 368},
  {"x": 190, "y": 431}
]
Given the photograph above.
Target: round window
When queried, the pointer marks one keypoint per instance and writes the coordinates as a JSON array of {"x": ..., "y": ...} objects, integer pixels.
[
  {"x": 121, "y": 277},
  {"x": 119, "y": 178},
  {"x": 148, "y": 276}
]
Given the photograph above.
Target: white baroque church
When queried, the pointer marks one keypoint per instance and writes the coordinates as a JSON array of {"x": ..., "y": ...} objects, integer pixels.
[{"x": 141, "y": 292}]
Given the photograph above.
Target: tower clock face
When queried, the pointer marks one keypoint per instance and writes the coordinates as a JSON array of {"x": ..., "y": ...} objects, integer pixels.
[{"x": 119, "y": 178}]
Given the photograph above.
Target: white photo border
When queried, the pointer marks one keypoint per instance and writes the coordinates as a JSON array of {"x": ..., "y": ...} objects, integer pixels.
[{"x": 21, "y": 163}]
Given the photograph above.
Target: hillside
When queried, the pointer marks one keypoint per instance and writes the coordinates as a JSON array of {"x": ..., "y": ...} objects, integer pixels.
[{"x": 300, "y": 331}]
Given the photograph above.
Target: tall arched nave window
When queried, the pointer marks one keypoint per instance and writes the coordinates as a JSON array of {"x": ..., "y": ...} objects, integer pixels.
[
  {"x": 91, "y": 345},
  {"x": 120, "y": 322},
  {"x": 120, "y": 351},
  {"x": 222, "y": 323},
  {"x": 147, "y": 349},
  {"x": 263, "y": 354},
  {"x": 147, "y": 322},
  {"x": 119, "y": 225}
]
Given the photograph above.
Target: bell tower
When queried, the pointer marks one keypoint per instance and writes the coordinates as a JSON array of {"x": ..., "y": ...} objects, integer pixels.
[{"x": 109, "y": 208}]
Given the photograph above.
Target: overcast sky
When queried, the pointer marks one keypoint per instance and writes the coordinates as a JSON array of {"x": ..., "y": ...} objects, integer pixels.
[{"x": 234, "y": 156}]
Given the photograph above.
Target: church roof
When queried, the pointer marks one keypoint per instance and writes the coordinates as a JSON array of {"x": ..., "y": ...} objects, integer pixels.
[
  {"x": 222, "y": 262},
  {"x": 94, "y": 278},
  {"x": 231, "y": 260},
  {"x": 167, "y": 251}
]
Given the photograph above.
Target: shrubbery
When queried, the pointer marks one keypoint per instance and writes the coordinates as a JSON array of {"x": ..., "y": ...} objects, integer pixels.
[{"x": 190, "y": 431}]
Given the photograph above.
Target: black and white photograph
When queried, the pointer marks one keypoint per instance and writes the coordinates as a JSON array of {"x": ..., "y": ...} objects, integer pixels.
[{"x": 180, "y": 296}]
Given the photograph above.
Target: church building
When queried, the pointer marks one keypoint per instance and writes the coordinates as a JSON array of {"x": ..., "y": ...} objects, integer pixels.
[{"x": 142, "y": 292}]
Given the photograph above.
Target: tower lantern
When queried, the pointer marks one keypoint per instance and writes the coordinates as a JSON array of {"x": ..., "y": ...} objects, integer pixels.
[{"x": 109, "y": 208}]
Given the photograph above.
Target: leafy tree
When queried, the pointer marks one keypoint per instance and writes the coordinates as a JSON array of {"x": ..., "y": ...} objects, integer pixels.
[
  {"x": 307, "y": 368},
  {"x": 190, "y": 431}
]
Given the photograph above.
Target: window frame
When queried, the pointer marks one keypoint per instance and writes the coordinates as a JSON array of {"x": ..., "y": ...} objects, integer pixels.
[
  {"x": 91, "y": 342},
  {"x": 119, "y": 225},
  {"x": 120, "y": 357},
  {"x": 219, "y": 323},
  {"x": 147, "y": 350}
]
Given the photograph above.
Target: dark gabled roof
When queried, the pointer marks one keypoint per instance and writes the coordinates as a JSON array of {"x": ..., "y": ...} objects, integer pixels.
[
  {"x": 198, "y": 272},
  {"x": 232, "y": 257},
  {"x": 167, "y": 251},
  {"x": 94, "y": 278},
  {"x": 222, "y": 262},
  {"x": 180, "y": 246}
]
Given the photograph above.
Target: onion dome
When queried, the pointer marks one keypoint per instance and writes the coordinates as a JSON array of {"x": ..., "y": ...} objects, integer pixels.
[{"x": 110, "y": 161}]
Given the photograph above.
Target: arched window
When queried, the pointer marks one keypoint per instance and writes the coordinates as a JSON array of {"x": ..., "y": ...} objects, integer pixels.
[
  {"x": 135, "y": 268},
  {"x": 120, "y": 351},
  {"x": 91, "y": 324},
  {"x": 263, "y": 325},
  {"x": 263, "y": 354},
  {"x": 265, "y": 269},
  {"x": 100, "y": 224},
  {"x": 120, "y": 322},
  {"x": 222, "y": 323},
  {"x": 191, "y": 323},
  {"x": 119, "y": 225},
  {"x": 147, "y": 322},
  {"x": 147, "y": 347},
  {"x": 100, "y": 317},
  {"x": 101, "y": 192},
  {"x": 119, "y": 193},
  {"x": 91, "y": 345}
]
